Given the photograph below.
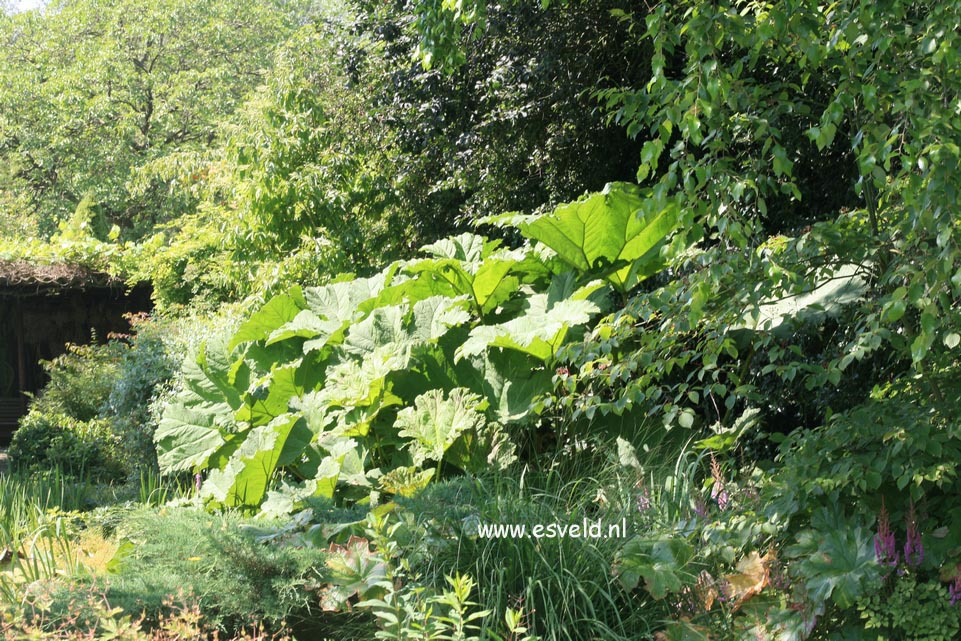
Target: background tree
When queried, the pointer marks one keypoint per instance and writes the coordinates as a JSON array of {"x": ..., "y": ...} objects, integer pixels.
[
  {"x": 513, "y": 128},
  {"x": 302, "y": 185},
  {"x": 93, "y": 92}
]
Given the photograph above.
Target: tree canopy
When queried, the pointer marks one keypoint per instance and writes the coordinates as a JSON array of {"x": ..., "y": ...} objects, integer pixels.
[{"x": 94, "y": 95}]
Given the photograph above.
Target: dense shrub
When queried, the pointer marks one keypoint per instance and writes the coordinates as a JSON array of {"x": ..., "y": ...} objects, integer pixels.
[
  {"x": 143, "y": 372},
  {"x": 81, "y": 380},
  {"x": 237, "y": 580},
  {"x": 86, "y": 448}
]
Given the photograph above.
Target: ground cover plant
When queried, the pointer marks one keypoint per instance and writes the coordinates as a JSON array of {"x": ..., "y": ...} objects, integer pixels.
[{"x": 732, "y": 330}]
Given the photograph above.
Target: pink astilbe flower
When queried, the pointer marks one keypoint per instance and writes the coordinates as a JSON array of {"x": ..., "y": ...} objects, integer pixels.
[
  {"x": 885, "y": 547},
  {"x": 913, "y": 548}
]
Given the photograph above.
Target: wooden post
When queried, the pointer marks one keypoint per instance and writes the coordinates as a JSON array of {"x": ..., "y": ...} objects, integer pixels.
[{"x": 21, "y": 357}]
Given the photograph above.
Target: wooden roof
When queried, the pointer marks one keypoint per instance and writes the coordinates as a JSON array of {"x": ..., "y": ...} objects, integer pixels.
[{"x": 23, "y": 275}]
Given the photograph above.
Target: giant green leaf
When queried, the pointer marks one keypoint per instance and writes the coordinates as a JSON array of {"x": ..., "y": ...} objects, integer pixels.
[
  {"x": 435, "y": 422},
  {"x": 506, "y": 379},
  {"x": 384, "y": 326},
  {"x": 465, "y": 266},
  {"x": 356, "y": 382},
  {"x": 466, "y": 247},
  {"x": 192, "y": 425},
  {"x": 341, "y": 301},
  {"x": 306, "y": 324},
  {"x": 434, "y": 316},
  {"x": 276, "y": 313},
  {"x": 539, "y": 332},
  {"x": 617, "y": 233},
  {"x": 210, "y": 380},
  {"x": 270, "y": 396},
  {"x": 245, "y": 478},
  {"x": 186, "y": 438}
]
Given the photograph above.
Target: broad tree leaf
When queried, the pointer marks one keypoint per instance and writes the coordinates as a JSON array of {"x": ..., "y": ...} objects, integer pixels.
[{"x": 435, "y": 422}]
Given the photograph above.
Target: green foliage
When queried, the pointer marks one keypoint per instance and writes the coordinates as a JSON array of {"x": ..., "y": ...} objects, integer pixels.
[
  {"x": 657, "y": 562},
  {"x": 616, "y": 234},
  {"x": 80, "y": 382},
  {"x": 513, "y": 129},
  {"x": 553, "y": 580},
  {"x": 103, "y": 393},
  {"x": 87, "y": 449},
  {"x": 92, "y": 614},
  {"x": 299, "y": 188},
  {"x": 97, "y": 97},
  {"x": 235, "y": 580},
  {"x": 144, "y": 371},
  {"x": 25, "y": 500},
  {"x": 912, "y": 611},
  {"x": 337, "y": 385}
]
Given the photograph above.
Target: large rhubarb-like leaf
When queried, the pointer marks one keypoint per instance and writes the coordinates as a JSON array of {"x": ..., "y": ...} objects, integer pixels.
[
  {"x": 245, "y": 477},
  {"x": 194, "y": 422},
  {"x": 617, "y": 233},
  {"x": 435, "y": 422},
  {"x": 540, "y": 331},
  {"x": 434, "y": 316},
  {"x": 186, "y": 438},
  {"x": 278, "y": 311},
  {"x": 467, "y": 247}
]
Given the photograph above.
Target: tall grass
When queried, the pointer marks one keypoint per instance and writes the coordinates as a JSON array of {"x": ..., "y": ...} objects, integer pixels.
[
  {"x": 566, "y": 585},
  {"x": 33, "y": 535},
  {"x": 27, "y": 499}
]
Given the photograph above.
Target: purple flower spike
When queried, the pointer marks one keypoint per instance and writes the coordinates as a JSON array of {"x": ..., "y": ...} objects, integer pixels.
[
  {"x": 954, "y": 591},
  {"x": 885, "y": 547},
  {"x": 913, "y": 548}
]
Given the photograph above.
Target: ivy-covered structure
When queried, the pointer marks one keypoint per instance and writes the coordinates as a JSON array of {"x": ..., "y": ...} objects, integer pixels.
[{"x": 44, "y": 307}]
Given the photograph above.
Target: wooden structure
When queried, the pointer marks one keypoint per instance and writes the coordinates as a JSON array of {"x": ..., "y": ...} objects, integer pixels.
[{"x": 44, "y": 307}]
